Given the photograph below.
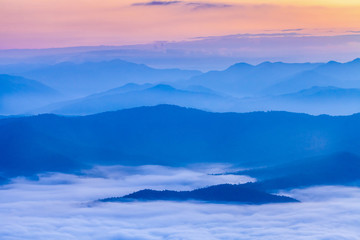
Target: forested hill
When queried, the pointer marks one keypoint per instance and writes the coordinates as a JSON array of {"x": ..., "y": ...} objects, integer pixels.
[{"x": 170, "y": 135}]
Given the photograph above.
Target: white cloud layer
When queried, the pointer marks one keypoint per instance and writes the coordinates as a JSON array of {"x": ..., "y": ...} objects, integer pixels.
[{"x": 55, "y": 207}]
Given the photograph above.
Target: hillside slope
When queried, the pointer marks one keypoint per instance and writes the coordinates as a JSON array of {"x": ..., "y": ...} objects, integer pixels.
[{"x": 170, "y": 135}]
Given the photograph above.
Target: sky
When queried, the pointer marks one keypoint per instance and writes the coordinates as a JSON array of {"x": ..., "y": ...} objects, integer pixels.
[{"x": 53, "y": 23}]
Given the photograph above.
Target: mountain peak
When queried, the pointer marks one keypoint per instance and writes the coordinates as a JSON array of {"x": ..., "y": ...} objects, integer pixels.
[
  {"x": 240, "y": 66},
  {"x": 355, "y": 61},
  {"x": 333, "y": 63},
  {"x": 163, "y": 87},
  {"x": 265, "y": 63}
]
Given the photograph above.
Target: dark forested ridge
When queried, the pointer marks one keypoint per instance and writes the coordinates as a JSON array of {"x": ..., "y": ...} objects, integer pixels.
[
  {"x": 223, "y": 193},
  {"x": 335, "y": 169},
  {"x": 170, "y": 135}
]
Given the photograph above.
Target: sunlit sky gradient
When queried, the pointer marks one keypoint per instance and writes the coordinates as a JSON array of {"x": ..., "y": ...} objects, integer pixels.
[{"x": 54, "y": 23}]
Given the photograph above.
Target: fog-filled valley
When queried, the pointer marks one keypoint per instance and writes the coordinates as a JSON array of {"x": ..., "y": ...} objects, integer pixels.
[
  {"x": 63, "y": 206},
  {"x": 96, "y": 148}
]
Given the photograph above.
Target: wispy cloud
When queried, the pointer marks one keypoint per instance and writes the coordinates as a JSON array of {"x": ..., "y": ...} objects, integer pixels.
[
  {"x": 157, "y": 3},
  {"x": 293, "y": 30},
  {"x": 199, "y": 5},
  {"x": 193, "y": 5},
  {"x": 281, "y": 33}
]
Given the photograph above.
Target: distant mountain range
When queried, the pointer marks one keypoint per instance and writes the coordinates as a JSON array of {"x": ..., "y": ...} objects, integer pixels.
[
  {"x": 279, "y": 78},
  {"x": 11, "y": 85},
  {"x": 18, "y": 94},
  {"x": 341, "y": 75},
  {"x": 315, "y": 100},
  {"x": 225, "y": 193},
  {"x": 241, "y": 79},
  {"x": 94, "y": 87},
  {"x": 133, "y": 95},
  {"x": 329, "y": 93},
  {"x": 170, "y": 135},
  {"x": 81, "y": 79},
  {"x": 246, "y": 80}
]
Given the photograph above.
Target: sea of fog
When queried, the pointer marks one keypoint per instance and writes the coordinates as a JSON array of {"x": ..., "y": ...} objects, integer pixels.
[{"x": 61, "y": 206}]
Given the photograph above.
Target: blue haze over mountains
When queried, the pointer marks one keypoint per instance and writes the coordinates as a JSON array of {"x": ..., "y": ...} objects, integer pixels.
[
  {"x": 282, "y": 150},
  {"x": 172, "y": 136},
  {"x": 19, "y": 94},
  {"x": 89, "y": 77},
  {"x": 93, "y": 87},
  {"x": 69, "y": 116}
]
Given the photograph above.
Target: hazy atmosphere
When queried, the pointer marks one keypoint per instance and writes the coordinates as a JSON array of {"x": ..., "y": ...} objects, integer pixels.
[{"x": 179, "y": 119}]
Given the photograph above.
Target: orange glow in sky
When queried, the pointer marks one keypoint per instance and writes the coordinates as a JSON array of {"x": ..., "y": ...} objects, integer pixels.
[{"x": 54, "y": 23}]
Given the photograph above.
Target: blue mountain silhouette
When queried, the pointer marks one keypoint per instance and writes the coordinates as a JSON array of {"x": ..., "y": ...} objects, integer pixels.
[
  {"x": 172, "y": 136},
  {"x": 80, "y": 79},
  {"x": 18, "y": 94},
  {"x": 224, "y": 193},
  {"x": 133, "y": 95}
]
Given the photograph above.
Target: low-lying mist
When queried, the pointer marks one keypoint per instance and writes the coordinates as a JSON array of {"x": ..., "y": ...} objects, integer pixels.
[{"x": 60, "y": 206}]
